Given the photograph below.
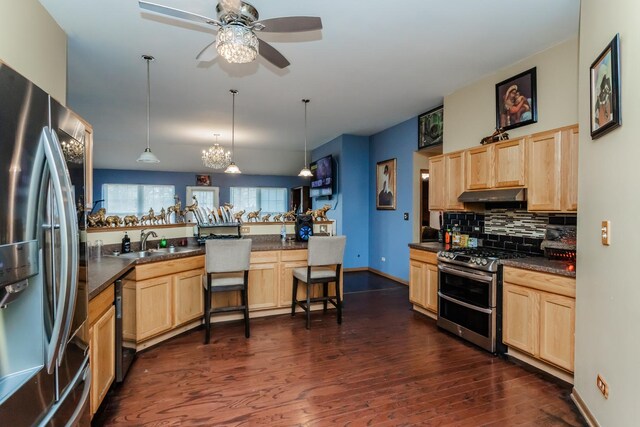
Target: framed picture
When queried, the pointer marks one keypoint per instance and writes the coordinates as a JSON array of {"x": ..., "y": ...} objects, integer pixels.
[
  {"x": 386, "y": 184},
  {"x": 516, "y": 101},
  {"x": 203, "y": 179},
  {"x": 430, "y": 127},
  {"x": 605, "y": 90}
]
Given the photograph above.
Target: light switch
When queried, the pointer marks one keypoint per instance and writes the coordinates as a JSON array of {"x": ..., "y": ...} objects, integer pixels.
[{"x": 606, "y": 233}]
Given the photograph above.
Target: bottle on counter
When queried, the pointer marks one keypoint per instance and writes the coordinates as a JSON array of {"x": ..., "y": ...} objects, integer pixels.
[
  {"x": 163, "y": 242},
  {"x": 455, "y": 237},
  {"x": 283, "y": 232},
  {"x": 126, "y": 244},
  {"x": 447, "y": 236}
]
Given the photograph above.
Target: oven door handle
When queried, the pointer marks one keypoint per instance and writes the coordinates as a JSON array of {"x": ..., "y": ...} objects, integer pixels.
[
  {"x": 457, "y": 272},
  {"x": 465, "y": 304}
]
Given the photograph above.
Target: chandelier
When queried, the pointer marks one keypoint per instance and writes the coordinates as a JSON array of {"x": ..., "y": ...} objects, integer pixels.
[
  {"x": 73, "y": 150},
  {"x": 237, "y": 44},
  {"x": 216, "y": 157}
]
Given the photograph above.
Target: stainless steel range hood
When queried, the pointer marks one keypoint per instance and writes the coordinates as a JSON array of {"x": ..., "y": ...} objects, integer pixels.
[{"x": 489, "y": 196}]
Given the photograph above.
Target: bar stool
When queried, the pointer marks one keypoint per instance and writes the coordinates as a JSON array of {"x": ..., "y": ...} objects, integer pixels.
[
  {"x": 322, "y": 253},
  {"x": 227, "y": 269}
]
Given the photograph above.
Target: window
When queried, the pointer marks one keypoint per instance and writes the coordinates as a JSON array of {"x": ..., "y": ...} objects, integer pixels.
[
  {"x": 270, "y": 200},
  {"x": 136, "y": 199},
  {"x": 207, "y": 197}
]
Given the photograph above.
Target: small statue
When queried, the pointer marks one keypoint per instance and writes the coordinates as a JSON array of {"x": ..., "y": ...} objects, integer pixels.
[
  {"x": 174, "y": 209},
  {"x": 130, "y": 220},
  {"x": 291, "y": 215},
  {"x": 97, "y": 219},
  {"x": 162, "y": 218},
  {"x": 238, "y": 216},
  {"x": 498, "y": 135},
  {"x": 113, "y": 220},
  {"x": 144, "y": 219},
  {"x": 265, "y": 218},
  {"x": 321, "y": 213},
  {"x": 277, "y": 218},
  {"x": 254, "y": 215}
]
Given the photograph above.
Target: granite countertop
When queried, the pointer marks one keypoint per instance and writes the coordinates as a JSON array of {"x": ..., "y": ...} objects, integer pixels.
[
  {"x": 544, "y": 265},
  {"x": 105, "y": 270}
]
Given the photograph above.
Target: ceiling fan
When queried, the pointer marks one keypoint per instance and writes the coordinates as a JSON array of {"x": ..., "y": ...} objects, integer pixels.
[{"x": 236, "y": 26}]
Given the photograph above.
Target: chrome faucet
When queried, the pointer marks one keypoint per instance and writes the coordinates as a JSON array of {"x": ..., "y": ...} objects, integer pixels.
[{"x": 143, "y": 238}]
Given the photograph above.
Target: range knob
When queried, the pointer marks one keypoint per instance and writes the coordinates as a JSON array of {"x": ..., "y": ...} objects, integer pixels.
[{"x": 484, "y": 261}]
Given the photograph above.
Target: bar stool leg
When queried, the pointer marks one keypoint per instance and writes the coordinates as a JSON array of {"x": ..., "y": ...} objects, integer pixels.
[
  {"x": 294, "y": 300},
  {"x": 207, "y": 311},
  {"x": 245, "y": 303},
  {"x": 325, "y": 294},
  {"x": 338, "y": 300},
  {"x": 308, "y": 308}
]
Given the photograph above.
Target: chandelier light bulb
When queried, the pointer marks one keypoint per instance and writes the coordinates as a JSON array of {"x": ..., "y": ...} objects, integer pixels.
[{"x": 237, "y": 44}]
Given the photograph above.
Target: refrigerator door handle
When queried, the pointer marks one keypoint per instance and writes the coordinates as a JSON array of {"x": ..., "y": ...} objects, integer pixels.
[
  {"x": 77, "y": 414},
  {"x": 73, "y": 252},
  {"x": 69, "y": 244}
]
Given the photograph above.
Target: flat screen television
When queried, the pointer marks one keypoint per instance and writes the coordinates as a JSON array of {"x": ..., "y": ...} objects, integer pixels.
[{"x": 322, "y": 178}]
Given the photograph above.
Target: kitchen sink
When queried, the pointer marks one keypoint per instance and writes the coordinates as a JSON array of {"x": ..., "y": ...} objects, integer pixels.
[{"x": 156, "y": 252}]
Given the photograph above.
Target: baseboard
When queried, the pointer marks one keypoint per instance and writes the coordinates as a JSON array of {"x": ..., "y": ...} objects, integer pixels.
[
  {"x": 540, "y": 365},
  {"x": 584, "y": 410},
  {"x": 388, "y": 276},
  {"x": 427, "y": 313},
  {"x": 349, "y": 270}
]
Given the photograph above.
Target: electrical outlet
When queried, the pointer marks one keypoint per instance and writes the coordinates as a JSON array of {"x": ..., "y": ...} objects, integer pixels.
[
  {"x": 606, "y": 233},
  {"x": 383, "y": 259},
  {"x": 245, "y": 230},
  {"x": 323, "y": 228},
  {"x": 406, "y": 216},
  {"x": 602, "y": 386}
]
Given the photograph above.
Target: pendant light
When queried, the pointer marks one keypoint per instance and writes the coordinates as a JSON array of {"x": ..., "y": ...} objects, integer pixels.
[
  {"x": 147, "y": 156},
  {"x": 232, "y": 168},
  {"x": 305, "y": 170}
]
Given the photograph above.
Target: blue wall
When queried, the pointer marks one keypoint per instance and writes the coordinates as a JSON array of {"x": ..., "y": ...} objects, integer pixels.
[
  {"x": 333, "y": 147},
  {"x": 183, "y": 179},
  {"x": 389, "y": 233}
]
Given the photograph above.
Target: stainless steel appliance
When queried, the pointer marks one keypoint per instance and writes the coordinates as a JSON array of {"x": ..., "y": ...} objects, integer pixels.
[
  {"x": 44, "y": 361},
  {"x": 124, "y": 355},
  {"x": 470, "y": 295}
]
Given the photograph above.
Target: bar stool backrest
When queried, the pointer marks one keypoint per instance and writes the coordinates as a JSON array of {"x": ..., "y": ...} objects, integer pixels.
[
  {"x": 224, "y": 256},
  {"x": 325, "y": 250}
]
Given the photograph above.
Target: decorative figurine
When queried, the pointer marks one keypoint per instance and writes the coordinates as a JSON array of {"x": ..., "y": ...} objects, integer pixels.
[
  {"x": 162, "y": 218},
  {"x": 130, "y": 220},
  {"x": 174, "y": 209},
  {"x": 291, "y": 215},
  {"x": 265, "y": 218},
  {"x": 321, "y": 213},
  {"x": 97, "y": 219},
  {"x": 144, "y": 219},
  {"x": 238, "y": 216},
  {"x": 277, "y": 218},
  {"x": 113, "y": 220},
  {"x": 254, "y": 215},
  {"x": 498, "y": 135}
]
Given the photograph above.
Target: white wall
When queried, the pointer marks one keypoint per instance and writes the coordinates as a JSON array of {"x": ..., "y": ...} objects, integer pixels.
[
  {"x": 33, "y": 44},
  {"x": 608, "y": 288},
  {"x": 470, "y": 112}
]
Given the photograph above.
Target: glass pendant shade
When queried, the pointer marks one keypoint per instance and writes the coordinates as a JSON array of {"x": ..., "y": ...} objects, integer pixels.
[
  {"x": 237, "y": 44},
  {"x": 147, "y": 156},
  {"x": 232, "y": 168},
  {"x": 306, "y": 172}
]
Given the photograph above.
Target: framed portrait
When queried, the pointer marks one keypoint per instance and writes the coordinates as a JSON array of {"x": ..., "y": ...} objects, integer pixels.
[
  {"x": 203, "y": 180},
  {"x": 386, "y": 184},
  {"x": 430, "y": 127},
  {"x": 605, "y": 90},
  {"x": 516, "y": 101}
]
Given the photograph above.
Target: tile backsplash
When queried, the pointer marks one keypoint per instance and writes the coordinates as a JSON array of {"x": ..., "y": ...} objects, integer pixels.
[{"x": 511, "y": 229}]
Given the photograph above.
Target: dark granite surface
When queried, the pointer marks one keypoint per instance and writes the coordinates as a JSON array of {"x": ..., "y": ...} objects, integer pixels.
[
  {"x": 105, "y": 270},
  {"x": 541, "y": 264}
]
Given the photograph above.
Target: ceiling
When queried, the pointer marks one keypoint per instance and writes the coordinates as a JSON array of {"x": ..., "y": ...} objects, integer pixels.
[{"x": 373, "y": 65}]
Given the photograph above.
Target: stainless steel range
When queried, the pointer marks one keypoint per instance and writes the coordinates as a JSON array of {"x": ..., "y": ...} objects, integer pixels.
[{"x": 470, "y": 294}]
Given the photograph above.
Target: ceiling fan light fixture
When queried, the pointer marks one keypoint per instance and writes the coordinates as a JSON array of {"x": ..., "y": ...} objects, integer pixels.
[{"x": 237, "y": 44}]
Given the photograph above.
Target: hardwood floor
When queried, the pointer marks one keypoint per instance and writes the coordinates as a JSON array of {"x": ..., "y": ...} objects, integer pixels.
[{"x": 385, "y": 365}]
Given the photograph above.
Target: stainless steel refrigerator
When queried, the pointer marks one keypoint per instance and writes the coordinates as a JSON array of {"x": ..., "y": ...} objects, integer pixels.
[{"x": 44, "y": 351}]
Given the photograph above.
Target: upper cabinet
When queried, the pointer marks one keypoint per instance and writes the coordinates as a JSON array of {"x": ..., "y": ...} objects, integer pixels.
[
  {"x": 479, "y": 167},
  {"x": 553, "y": 171},
  {"x": 437, "y": 186},
  {"x": 454, "y": 173},
  {"x": 509, "y": 164},
  {"x": 446, "y": 181}
]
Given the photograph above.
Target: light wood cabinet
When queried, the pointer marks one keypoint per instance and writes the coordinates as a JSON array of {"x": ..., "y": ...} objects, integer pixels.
[
  {"x": 263, "y": 285},
  {"x": 437, "y": 184},
  {"x": 509, "y": 164},
  {"x": 154, "y": 306},
  {"x": 423, "y": 279},
  {"x": 539, "y": 315},
  {"x": 553, "y": 171},
  {"x": 102, "y": 342},
  {"x": 188, "y": 296},
  {"x": 454, "y": 176},
  {"x": 479, "y": 162}
]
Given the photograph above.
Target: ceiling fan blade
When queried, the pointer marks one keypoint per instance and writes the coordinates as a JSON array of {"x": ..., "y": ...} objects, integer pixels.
[
  {"x": 176, "y": 13},
  {"x": 208, "y": 53},
  {"x": 272, "y": 55},
  {"x": 291, "y": 24}
]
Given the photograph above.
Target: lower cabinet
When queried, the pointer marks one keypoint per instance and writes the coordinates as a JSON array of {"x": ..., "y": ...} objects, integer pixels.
[
  {"x": 423, "y": 279},
  {"x": 539, "y": 315},
  {"x": 188, "y": 297},
  {"x": 102, "y": 346}
]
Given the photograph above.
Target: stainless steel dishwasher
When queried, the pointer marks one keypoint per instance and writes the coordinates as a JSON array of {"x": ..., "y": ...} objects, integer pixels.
[{"x": 124, "y": 355}]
